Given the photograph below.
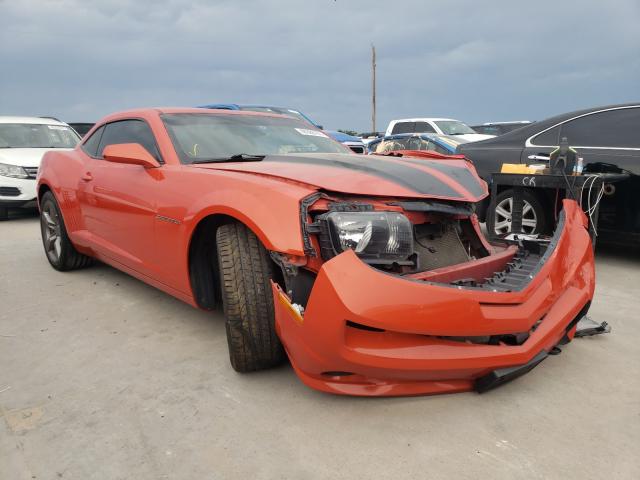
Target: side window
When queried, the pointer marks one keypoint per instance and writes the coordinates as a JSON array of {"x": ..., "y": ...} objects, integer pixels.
[
  {"x": 402, "y": 127},
  {"x": 615, "y": 128},
  {"x": 423, "y": 127},
  {"x": 129, "y": 131},
  {"x": 437, "y": 148},
  {"x": 549, "y": 138},
  {"x": 90, "y": 146},
  {"x": 488, "y": 130}
]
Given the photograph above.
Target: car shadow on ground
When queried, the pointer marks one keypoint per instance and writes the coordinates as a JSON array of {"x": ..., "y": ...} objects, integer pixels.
[
  {"x": 103, "y": 273},
  {"x": 629, "y": 254},
  {"x": 21, "y": 214}
]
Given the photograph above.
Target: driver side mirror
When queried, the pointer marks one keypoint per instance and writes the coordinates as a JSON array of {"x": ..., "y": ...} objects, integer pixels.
[{"x": 129, "y": 153}]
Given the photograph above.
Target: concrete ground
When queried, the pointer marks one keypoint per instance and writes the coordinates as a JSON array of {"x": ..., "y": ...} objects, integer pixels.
[{"x": 104, "y": 377}]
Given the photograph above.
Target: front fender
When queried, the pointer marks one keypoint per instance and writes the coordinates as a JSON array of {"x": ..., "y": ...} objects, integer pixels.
[
  {"x": 270, "y": 208},
  {"x": 59, "y": 172}
]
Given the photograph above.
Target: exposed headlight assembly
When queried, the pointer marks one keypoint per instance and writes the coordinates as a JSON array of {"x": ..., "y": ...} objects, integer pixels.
[
  {"x": 13, "y": 171},
  {"x": 376, "y": 237}
]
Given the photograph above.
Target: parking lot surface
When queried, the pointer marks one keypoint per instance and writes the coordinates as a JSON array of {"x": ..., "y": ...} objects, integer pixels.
[{"x": 104, "y": 377}]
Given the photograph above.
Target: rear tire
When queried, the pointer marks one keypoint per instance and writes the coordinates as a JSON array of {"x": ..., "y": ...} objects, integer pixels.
[
  {"x": 59, "y": 250},
  {"x": 245, "y": 274},
  {"x": 534, "y": 215}
]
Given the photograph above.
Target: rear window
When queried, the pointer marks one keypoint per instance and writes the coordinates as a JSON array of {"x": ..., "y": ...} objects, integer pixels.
[
  {"x": 488, "y": 129},
  {"x": 423, "y": 127},
  {"x": 402, "y": 127},
  {"x": 549, "y": 138},
  {"x": 412, "y": 127}
]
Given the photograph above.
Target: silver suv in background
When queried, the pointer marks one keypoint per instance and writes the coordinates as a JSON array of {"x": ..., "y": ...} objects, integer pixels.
[{"x": 23, "y": 142}]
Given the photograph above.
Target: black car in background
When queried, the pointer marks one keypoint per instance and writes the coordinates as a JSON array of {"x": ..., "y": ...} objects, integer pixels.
[
  {"x": 81, "y": 128},
  {"x": 607, "y": 138},
  {"x": 499, "y": 128}
]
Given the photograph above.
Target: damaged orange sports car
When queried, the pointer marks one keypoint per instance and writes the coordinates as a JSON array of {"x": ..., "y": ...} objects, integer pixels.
[{"x": 370, "y": 273}]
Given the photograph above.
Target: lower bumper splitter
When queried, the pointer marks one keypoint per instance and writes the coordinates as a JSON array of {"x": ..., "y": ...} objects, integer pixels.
[{"x": 504, "y": 375}]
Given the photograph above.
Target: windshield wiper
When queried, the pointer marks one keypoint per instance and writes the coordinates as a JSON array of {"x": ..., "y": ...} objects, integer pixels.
[{"x": 238, "y": 157}]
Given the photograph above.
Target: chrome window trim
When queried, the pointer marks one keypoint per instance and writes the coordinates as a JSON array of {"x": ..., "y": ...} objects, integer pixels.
[{"x": 529, "y": 142}]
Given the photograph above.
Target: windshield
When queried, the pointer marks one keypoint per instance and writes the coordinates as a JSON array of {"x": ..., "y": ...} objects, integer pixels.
[
  {"x": 25, "y": 135},
  {"x": 453, "y": 127},
  {"x": 281, "y": 111},
  {"x": 198, "y": 137}
]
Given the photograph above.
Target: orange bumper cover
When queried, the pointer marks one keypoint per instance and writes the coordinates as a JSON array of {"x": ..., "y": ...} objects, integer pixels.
[{"x": 402, "y": 350}]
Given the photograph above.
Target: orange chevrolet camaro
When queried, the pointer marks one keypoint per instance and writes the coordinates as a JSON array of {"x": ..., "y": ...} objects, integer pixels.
[{"x": 370, "y": 273}]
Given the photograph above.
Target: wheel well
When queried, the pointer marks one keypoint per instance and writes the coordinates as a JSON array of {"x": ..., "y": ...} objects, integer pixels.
[
  {"x": 545, "y": 195},
  {"x": 44, "y": 188},
  {"x": 203, "y": 261}
]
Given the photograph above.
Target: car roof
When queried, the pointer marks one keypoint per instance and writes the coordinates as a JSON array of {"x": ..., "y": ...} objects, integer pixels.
[
  {"x": 342, "y": 137},
  {"x": 224, "y": 106},
  {"x": 249, "y": 105},
  {"x": 31, "y": 120},
  {"x": 142, "y": 112},
  {"x": 512, "y": 122},
  {"x": 245, "y": 105},
  {"x": 534, "y": 128},
  {"x": 422, "y": 119}
]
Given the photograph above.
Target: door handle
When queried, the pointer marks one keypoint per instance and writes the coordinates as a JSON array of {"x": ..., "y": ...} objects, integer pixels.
[
  {"x": 87, "y": 177},
  {"x": 539, "y": 156}
]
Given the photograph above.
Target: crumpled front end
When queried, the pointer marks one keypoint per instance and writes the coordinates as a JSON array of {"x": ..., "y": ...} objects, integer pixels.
[{"x": 369, "y": 332}]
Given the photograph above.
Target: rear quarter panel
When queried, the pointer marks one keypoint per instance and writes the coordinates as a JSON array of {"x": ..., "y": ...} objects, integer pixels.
[{"x": 489, "y": 159}]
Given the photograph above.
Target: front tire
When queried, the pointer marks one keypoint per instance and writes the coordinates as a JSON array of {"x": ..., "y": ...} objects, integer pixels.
[
  {"x": 245, "y": 274},
  {"x": 4, "y": 213},
  {"x": 534, "y": 215},
  {"x": 60, "y": 252}
]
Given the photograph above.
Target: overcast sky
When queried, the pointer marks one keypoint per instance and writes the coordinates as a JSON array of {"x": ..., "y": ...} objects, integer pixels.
[{"x": 470, "y": 60}]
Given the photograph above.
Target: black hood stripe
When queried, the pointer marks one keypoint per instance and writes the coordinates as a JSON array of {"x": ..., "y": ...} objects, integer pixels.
[
  {"x": 461, "y": 175},
  {"x": 399, "y": 173}
]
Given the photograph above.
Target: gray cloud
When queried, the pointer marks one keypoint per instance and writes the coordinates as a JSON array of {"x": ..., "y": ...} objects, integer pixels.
[{"x": 475, "y": 61}]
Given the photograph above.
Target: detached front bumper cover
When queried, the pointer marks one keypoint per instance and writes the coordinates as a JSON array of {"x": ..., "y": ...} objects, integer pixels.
[{"x": 366, "y": 332}]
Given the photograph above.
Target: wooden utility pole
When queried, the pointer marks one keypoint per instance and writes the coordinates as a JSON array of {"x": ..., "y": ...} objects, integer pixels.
[{"x": 373, "y": 88}]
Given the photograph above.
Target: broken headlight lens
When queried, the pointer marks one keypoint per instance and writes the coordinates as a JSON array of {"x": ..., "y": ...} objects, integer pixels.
[{"x": 376, "y": 236}]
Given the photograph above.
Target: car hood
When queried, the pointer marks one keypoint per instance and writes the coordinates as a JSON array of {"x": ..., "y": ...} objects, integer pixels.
[
  {"x": 447, "y": 179},
  {"x": 24, "y": 157},
  {"x": 475, "y": 137},
  {"x": 342, "y": 137}
]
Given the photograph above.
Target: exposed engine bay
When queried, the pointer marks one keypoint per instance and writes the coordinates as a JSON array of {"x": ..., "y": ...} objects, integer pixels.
[{"x": 421, "y": 240}]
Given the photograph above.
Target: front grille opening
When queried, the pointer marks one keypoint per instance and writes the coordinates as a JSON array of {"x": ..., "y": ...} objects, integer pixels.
[
  {"x": 10, "y": 191},
  {"x": 336, "y": 373},
  {"x": 511, "y": 339},
  {"x": 360, "y": 326}
]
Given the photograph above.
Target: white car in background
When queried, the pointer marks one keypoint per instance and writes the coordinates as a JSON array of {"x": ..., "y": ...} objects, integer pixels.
[
  {"x": 442, "y": 126},
  {"x": 23, "y": 142}
]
